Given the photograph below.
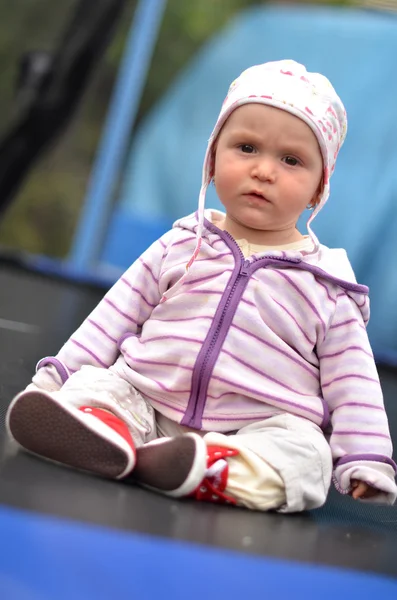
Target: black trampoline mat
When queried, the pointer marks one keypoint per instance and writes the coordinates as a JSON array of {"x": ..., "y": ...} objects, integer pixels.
[{"x": 37, "y": 314}]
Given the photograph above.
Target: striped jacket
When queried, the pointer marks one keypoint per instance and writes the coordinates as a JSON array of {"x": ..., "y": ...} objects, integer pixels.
[{"x": 242, "y": 340}]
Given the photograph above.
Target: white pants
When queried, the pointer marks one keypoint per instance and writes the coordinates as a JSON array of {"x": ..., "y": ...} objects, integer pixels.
[{"x": 284, "y": 462}]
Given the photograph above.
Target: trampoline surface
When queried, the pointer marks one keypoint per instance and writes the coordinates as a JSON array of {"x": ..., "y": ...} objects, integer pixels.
[{"x": 36, "y": 316}]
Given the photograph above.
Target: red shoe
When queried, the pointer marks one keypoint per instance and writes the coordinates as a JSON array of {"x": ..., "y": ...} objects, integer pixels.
[
  {"x": 213, "y": 486},
  {"x": 90, "y": 439}
]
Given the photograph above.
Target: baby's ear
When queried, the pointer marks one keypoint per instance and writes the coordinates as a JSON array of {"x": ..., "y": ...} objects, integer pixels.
[
  {"x": 317, "y": 196},
  {"x": 315, "y": 200}
]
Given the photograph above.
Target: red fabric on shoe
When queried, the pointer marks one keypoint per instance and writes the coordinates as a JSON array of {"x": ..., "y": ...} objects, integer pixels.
[
  {"x": 111, "y": 421},
  {"x": 212, "y": 488}
]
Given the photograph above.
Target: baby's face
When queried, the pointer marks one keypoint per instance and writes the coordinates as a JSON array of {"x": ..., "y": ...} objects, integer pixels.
[{"x": 268, "y": 167}]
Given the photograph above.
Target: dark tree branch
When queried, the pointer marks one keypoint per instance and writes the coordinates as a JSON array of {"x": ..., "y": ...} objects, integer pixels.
[{"x": 53, "y": 89}]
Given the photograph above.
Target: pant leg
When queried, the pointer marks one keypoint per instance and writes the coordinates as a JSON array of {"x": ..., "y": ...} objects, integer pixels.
[
  {"x": 168, "y": 428},
  {"x": 102, "y": 388},
  {"x": 284, "y": 463}
]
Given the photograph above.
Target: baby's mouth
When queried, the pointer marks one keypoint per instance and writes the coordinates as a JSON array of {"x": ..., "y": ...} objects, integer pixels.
[{"x": 254, "y": 194}]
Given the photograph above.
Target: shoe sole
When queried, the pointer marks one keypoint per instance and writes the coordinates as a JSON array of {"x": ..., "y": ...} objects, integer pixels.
[
  {"x": 46, "y": 428},
  {"x": 174, "y": 467}
]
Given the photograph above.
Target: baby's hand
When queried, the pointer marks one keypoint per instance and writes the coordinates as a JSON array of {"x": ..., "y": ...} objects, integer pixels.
[{"x": 362, "y": 490}]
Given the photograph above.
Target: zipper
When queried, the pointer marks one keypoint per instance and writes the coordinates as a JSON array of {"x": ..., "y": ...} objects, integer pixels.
[
  {"x": 192, "y": 417},
  {"x": 244, "y": 268},
  {"x": 244, "y": 272}
]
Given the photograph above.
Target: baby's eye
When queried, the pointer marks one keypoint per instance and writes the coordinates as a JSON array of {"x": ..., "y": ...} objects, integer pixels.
[
  {"x": 291, "y": 161},
  {"x": 246, "y": 148}
]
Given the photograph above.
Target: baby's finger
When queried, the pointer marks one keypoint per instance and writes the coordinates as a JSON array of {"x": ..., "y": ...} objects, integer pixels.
[{"x": 359, "y": 491}]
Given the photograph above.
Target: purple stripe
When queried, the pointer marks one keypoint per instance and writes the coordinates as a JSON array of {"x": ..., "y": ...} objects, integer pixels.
[
  {"x": 231, "y": 393},
  {"x": 346, "y": 350},
  {"x": 207, "y": 277},
  {"x": 163, "y": 244},
  {"x": 149, "y": 270},
  {"x": 264, "y": 375},
  {"x": 347, "y": 323},
  {"x": 171, "y": 406},
  {"x": 303, "y": 295},
  {"x": 352, "y": 376},
  {"x": 134, "y": 289},
  {"x": 124, "y": 337},
  {"x": 327, "y": 291},
  {"x": 360, "y": 404},
  {"x": 283, "y": 352},
  {"x": 174, "y": 266},
  {"x": 137, "y": 291},
  {"x": 364, "y": 433},
  {"x": 182, "y": 319},
  {"x": 254, "y": 418},
  {"x": 217, "y": 257},
  {"x": 94, "y": 356},
  {"x": 362, "y": 420},
  {"x": 372, "y": 457},
  {"x": 168, "y": 337},
  {"x": 295, "y": 321},
  {"x": 245, "y": 301},
  {"x": 206, "y": 292},
  {"x": 213, "y": 397},
  {"x": 101, "y": 329},
  {"x": 317, "y": 272},
  {"x": 157, "y": 362},
  {"x": 167, "y": 389},
  {"x": 255, "y": 392},
  {"x": 121, "y": 312},
  {"x": 189, "y": 239}
]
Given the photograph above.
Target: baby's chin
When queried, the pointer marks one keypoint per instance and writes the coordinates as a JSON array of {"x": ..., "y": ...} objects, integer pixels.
[{"x": 255, "y": 223}]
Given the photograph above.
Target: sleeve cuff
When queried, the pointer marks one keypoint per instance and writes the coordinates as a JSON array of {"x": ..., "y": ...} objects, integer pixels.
[
  {"x": 376, "y": 474},
  {"x": 48, "y": 378}
]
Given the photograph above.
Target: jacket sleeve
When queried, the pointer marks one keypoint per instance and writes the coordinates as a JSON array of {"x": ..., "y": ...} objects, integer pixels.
[
  {"x": 123, "y": 310},
  {"x": 360, "y": 438}
]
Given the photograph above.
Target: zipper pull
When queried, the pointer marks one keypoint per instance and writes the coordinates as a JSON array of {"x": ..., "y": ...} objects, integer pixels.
[{"x": 245, "y": 267}]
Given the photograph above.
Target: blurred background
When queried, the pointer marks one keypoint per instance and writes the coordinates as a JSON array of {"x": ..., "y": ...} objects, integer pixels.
[
  {"x": 106, "y": 107},
  {"x": 44, "y": 212}
]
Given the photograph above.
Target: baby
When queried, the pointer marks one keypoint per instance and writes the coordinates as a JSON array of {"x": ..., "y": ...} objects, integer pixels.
[{"x": 231, "y": 363}]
